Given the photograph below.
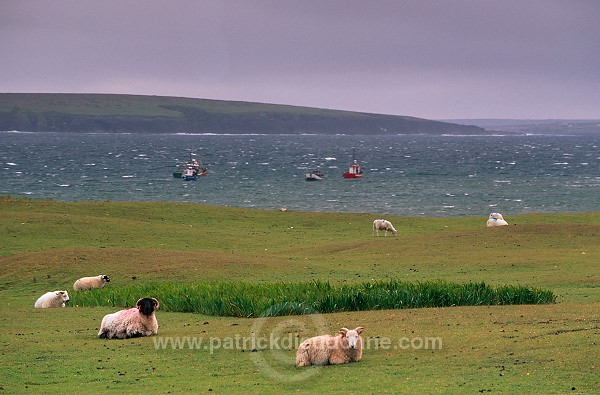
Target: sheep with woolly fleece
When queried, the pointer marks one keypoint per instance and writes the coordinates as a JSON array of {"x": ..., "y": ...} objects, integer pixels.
[
  {"x": 85, "y": 283},
  {"x": 135, "y": 322},
  {"x": 496, "y": 219},
  {"x": 331, "y": 350},
  {"x": 52, "y": 299},
  {"x": 382, "y": 224}
]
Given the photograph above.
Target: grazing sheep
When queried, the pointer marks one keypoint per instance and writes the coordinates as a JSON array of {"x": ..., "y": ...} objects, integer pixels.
[
  {"x": 331, "y": 350},
  {"x": 135, "y": 322},
  {"x": 52, "y": 299},
  {"x": 91, "y": 282},
  {"x": 496, "y": 219},
  {"x": 382, "y": 224}
]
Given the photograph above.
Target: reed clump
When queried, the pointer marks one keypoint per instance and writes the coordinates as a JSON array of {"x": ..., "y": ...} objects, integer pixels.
[{"x": 239, "y": 299}]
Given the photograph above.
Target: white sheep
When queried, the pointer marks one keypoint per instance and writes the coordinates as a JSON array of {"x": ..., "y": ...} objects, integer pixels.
[
  {"x": 91, "y": 282},
  {"x": 382, "y": 224},
  {"x": 135, "y": 322},
  {"x": 52, "y": 299},
  {"x": 496, "y": 219},
  {"x": 331, "y": 350}
]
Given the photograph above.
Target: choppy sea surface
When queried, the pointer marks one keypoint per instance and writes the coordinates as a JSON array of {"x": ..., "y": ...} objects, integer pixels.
[{"x": 417, "y": 175}]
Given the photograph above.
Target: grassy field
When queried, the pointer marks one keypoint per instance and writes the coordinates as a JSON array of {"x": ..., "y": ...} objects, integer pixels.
[{"x": 46, "y": 246}]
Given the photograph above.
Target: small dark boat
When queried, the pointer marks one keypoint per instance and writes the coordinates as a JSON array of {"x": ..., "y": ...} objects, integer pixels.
[{"x": 315, "y": 175}]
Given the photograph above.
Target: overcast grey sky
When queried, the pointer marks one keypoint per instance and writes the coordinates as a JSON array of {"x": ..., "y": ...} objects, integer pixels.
[{"x": 431, "y": 59}]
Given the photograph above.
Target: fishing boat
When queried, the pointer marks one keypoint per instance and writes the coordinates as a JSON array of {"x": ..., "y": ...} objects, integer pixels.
[
  {"x": 192, "y": 170},
  {"x": 354, "y": 170},
  {"x": 315, "y": 175}
]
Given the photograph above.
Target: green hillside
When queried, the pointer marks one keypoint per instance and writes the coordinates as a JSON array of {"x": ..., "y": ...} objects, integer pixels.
[{"x": 42, "y": 112}]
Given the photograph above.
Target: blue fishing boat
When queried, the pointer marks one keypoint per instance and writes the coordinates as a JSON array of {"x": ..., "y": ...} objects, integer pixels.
[{"x": 192, "y": 170}]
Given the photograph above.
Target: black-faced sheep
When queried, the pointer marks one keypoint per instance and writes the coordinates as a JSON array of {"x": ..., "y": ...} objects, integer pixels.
[
  {"x": 91, "y": 282},
  {"x": 496, "y": 219},
  {"x": 331, "y": 350},
  {"x": 382, "y": 224},
  {"x": 135, "y": 322},
  {"x": 52, "y": 299}
]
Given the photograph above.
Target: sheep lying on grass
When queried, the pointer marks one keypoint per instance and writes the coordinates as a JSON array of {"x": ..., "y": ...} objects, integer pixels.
[
  {"x": 52, "y": 299},
  {"x": 331, "y": 350},
  {"x": 382, "y": 224},
  {"x": 135, "y": 322},
  {"x": 91, "y": 282},
  {"x": 496, "y": 219}
]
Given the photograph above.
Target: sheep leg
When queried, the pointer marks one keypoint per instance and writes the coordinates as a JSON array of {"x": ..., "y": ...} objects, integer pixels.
[
  {"x": 337, "y": 360},
  {"x": 302, "y": 356}
]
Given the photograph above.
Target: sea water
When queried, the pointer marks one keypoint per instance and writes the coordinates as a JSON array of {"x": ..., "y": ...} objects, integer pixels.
[{"x": 417, "y": 175}]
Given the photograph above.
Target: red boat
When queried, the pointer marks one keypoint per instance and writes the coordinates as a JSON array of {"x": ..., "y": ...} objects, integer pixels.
[{"x": 354, "y": 170}]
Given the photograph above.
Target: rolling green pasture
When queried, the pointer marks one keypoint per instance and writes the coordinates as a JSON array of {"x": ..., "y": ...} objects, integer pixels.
[{"x": 45, "y": 246}]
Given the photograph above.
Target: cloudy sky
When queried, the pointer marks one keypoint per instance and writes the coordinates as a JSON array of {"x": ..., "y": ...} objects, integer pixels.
[{"x": 433, "y": 59}]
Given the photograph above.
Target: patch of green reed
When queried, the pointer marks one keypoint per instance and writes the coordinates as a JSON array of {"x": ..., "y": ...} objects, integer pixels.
[{"x": 238, "y": 299}]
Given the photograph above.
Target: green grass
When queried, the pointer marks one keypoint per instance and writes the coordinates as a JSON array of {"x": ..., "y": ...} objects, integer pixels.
[
  {"x": 268, "y": 300},
  {"x": 531, "y": 348}
]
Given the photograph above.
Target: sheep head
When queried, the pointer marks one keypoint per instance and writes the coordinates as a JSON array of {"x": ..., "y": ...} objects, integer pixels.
[
  {"x": 352, "y": 336},
  {"x": 146, "y": 306},
  {"x": 105, "y": 278},
  {"x": 496, "y": 216},
  {"x": 64, "y": 295}
]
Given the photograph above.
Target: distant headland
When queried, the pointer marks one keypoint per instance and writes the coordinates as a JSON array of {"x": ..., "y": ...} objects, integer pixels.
[{"x": 85, "y": 113}]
